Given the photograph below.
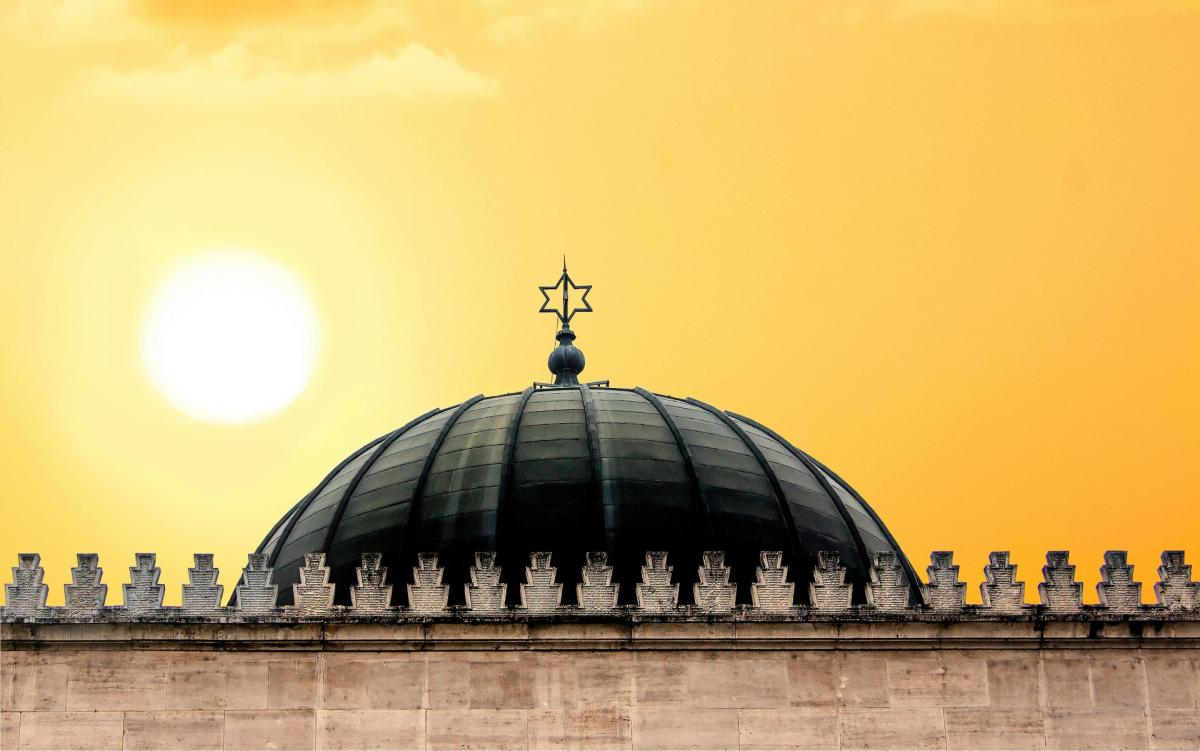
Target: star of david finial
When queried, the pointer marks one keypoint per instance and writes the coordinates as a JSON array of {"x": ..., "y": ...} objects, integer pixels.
[{"x": 570, "y": 305}]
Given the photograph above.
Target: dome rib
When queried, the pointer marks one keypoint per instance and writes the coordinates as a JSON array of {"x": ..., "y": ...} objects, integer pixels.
[
  {"x": 689, "y": 463},
  {"x": 593, "y": 440},
  {"x": 303, "y": 505},
  {"x": 807, "y": 461},
  {"x": 785, "y": 509},
  {"x": 504, "y": 524},
  {"x": 415, "y": 508},
  {"x": 348, "y": 493}
]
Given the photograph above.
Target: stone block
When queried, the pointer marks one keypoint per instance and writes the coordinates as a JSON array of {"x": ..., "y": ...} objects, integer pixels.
[
  {"x": 1172, "y": 678},
  {"x": 85, "y": 593},
  {"x": 1013, "y": 679},
  {"x": 1175, "y": 589},
  {"x": 10, "y": 730},
  {"x": 427, "y": 594},
  {"x": 887, "y": 587},
  {"x": 313, "y": 595},
  {"x": 913, "y": 728},
  {"x": 251, "y": 729},
  {"x": 944, "y": 593},
  {"x": 596, "y": 592},
  {"x": 713, "y": 592},
  {"x": 655, "y": 592},
  {"x": 91, "y": 731},
  {"x": 1096, "y": 728},
  {"x": 370, "y": 728},
  {"x": 1059, "y": 591},
  {"x": 849, "y": 679},
  {"x": 202, "y": 593},
  {"x": 256, "y": 594},
  {"x": 476, "y": 729},
  {"x": 196, "y": 681},
  {"x": 943, "y": 679},
  {"x": 33, "y": 682},
  {"x": 113, "y": 680},
  {"x": 1000, "y": 591},
  {"x": 143, "y": 593},
  {"x": 1174, "y": 728},
  {"x": 253, "y": 682},
  {"x": 448, "y": 683},
  {"x": 605, "y": 680},
  {"x": 995, "y": 728},
  {"x": 501, "y": 685},
  {"x": 373, "y": 594},
  {"x": 1118, "y": 680},
  {"x": 787, "y": 728},
  {"x": 760, "y": 681},
  {"x": 1067, "y": 680},
  {"x": 555, "y": 677},
  {"x": 771, "y": 592},
  {"x": 485, "y": 593},
  {"x": 376, "y": 682},
  {"x": 27, "y": 594},
  {"x": 684, "y": 728},
  {"x": 660, "y": 678},
  {"x": 174, "y": 730},
  {"x": 597, "y": 728},
  {"x": 1117, "y": 590},
  {"x": 829, "y": 589},
  {"x": 540, "y": 593}
]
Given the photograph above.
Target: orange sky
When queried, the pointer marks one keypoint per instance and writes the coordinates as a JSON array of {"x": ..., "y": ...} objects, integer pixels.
[{"x": 950, "y": 248}]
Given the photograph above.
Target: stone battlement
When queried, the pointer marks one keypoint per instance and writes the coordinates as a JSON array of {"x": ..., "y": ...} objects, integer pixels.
[{"x": 773, "y": 596}]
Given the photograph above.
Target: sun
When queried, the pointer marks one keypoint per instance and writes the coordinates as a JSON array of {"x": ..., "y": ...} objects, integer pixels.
[{"x": 230, "y": 337}]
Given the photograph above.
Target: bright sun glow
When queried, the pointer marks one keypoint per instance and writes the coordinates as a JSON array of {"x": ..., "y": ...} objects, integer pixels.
[{"x": 230, "y": 337}]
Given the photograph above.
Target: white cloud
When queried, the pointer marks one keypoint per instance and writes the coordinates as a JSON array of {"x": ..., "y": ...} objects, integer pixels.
[{"x": 234, "y": 75}]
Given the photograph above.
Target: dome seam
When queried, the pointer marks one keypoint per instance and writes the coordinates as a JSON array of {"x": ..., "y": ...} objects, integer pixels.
[{"x": 686, "y": 452}]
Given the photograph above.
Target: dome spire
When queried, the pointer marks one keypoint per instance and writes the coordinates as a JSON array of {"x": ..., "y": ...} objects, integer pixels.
[{"x": 566, "y": 360}]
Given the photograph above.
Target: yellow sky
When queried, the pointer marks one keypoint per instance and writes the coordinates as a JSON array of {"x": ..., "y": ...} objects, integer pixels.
[{"x": 952, "y": 249}]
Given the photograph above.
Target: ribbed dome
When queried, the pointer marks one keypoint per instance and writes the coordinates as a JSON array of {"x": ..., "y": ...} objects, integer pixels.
[{"x": 576, "y": 469}]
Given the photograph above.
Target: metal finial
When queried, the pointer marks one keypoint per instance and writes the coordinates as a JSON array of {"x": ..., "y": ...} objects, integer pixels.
[{"x": 566, "y": 361}]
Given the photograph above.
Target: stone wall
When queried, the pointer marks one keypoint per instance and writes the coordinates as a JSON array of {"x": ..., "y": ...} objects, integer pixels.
[{"x": 999, "y": 684}]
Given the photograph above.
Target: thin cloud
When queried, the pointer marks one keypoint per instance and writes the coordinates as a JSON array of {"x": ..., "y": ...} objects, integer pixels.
[{"x": 234, "y": 75}]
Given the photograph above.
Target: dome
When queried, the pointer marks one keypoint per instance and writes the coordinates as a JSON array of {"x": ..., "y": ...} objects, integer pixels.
[{"x": 572, "y": 469}]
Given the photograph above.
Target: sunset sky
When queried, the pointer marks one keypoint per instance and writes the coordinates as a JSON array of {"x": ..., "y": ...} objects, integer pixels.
[{"x": 952, "y": 249}]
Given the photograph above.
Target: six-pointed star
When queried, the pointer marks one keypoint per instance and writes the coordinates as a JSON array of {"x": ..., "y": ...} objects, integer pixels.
[{"x": 568, "y": 310}]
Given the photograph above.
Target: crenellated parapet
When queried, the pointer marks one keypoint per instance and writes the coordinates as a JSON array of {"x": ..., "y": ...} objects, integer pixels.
[{"x": 828, "y": 593}]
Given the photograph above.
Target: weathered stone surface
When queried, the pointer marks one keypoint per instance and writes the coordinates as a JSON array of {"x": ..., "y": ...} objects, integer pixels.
[
  {"x": 1117, "y": 680},
  {"x": 501, "y": 685},
  {"x": 370, "y": 728},
  {"x": 85, "y": 593},
  {"x": 771, "y": 592},
  {"x": 256, "y": 593},
  {"x": 540, "y": 593},
  {"x": 27, "y": 594},
  {"x": 596, "y": 592},
  {"x": 684, "y": 728},
  {"x": 887, "y": 588},
  {"x": 10, "y": 730},
  {"x": 1096, "y": 728},
  {"x": 485, "y": 593},
  {"x": 373, "y": 594},
  {"x": 1175, "y": 588},
  {"x": 939, "y": 679},
  {"x": 427, "y": 594},
  {"x": 476, "y": 729},
  {"x": 1013, "y": 679},
  {"x": 1059, "y": 590},
  {"x": 1117, "y": 590},
  {"x": 1172, "y": 677},
  {"x": 71, "y": 730},
  {"x": 149, "y": 731},
  {"x": 712, "y": 592},
  {"x": 246, "y": 730},
  {"x": 276, "y": 681},
  {"x": 829, "y": 589},
  {"x": 891, "y": 728},
  {"x": 195, "y": 680},
  {"x": 995, "y": 728},
  {"x": 33, "y": 682},
  {"x": 580, "y": 728},
  {"x": 1175, "y": 728},
  {"x": 143, "y": 593},
  {"x": 314, "y": 594},
  {"x": 792, "y": 728},
  {"x": 850, "y": 679},
  {"x": 354, "y": 681},
  {"x": 1067, "y": 680},
  {"x": 944, "y": 593},
  {"x": 655, "y": 592},
  {"x": 1001, "y": 592},
  {"x": 115, "y": 680},
  {"x": 202, "y": 593}
]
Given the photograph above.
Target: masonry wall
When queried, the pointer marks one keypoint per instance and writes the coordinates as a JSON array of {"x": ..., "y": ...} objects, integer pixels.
[{"x": 671, "y": 686}]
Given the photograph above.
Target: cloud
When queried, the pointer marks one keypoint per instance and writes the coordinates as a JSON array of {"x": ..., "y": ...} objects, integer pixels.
[
  {"x": 233, "y": 75},
  {"x": 1018, "y": 10}
]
